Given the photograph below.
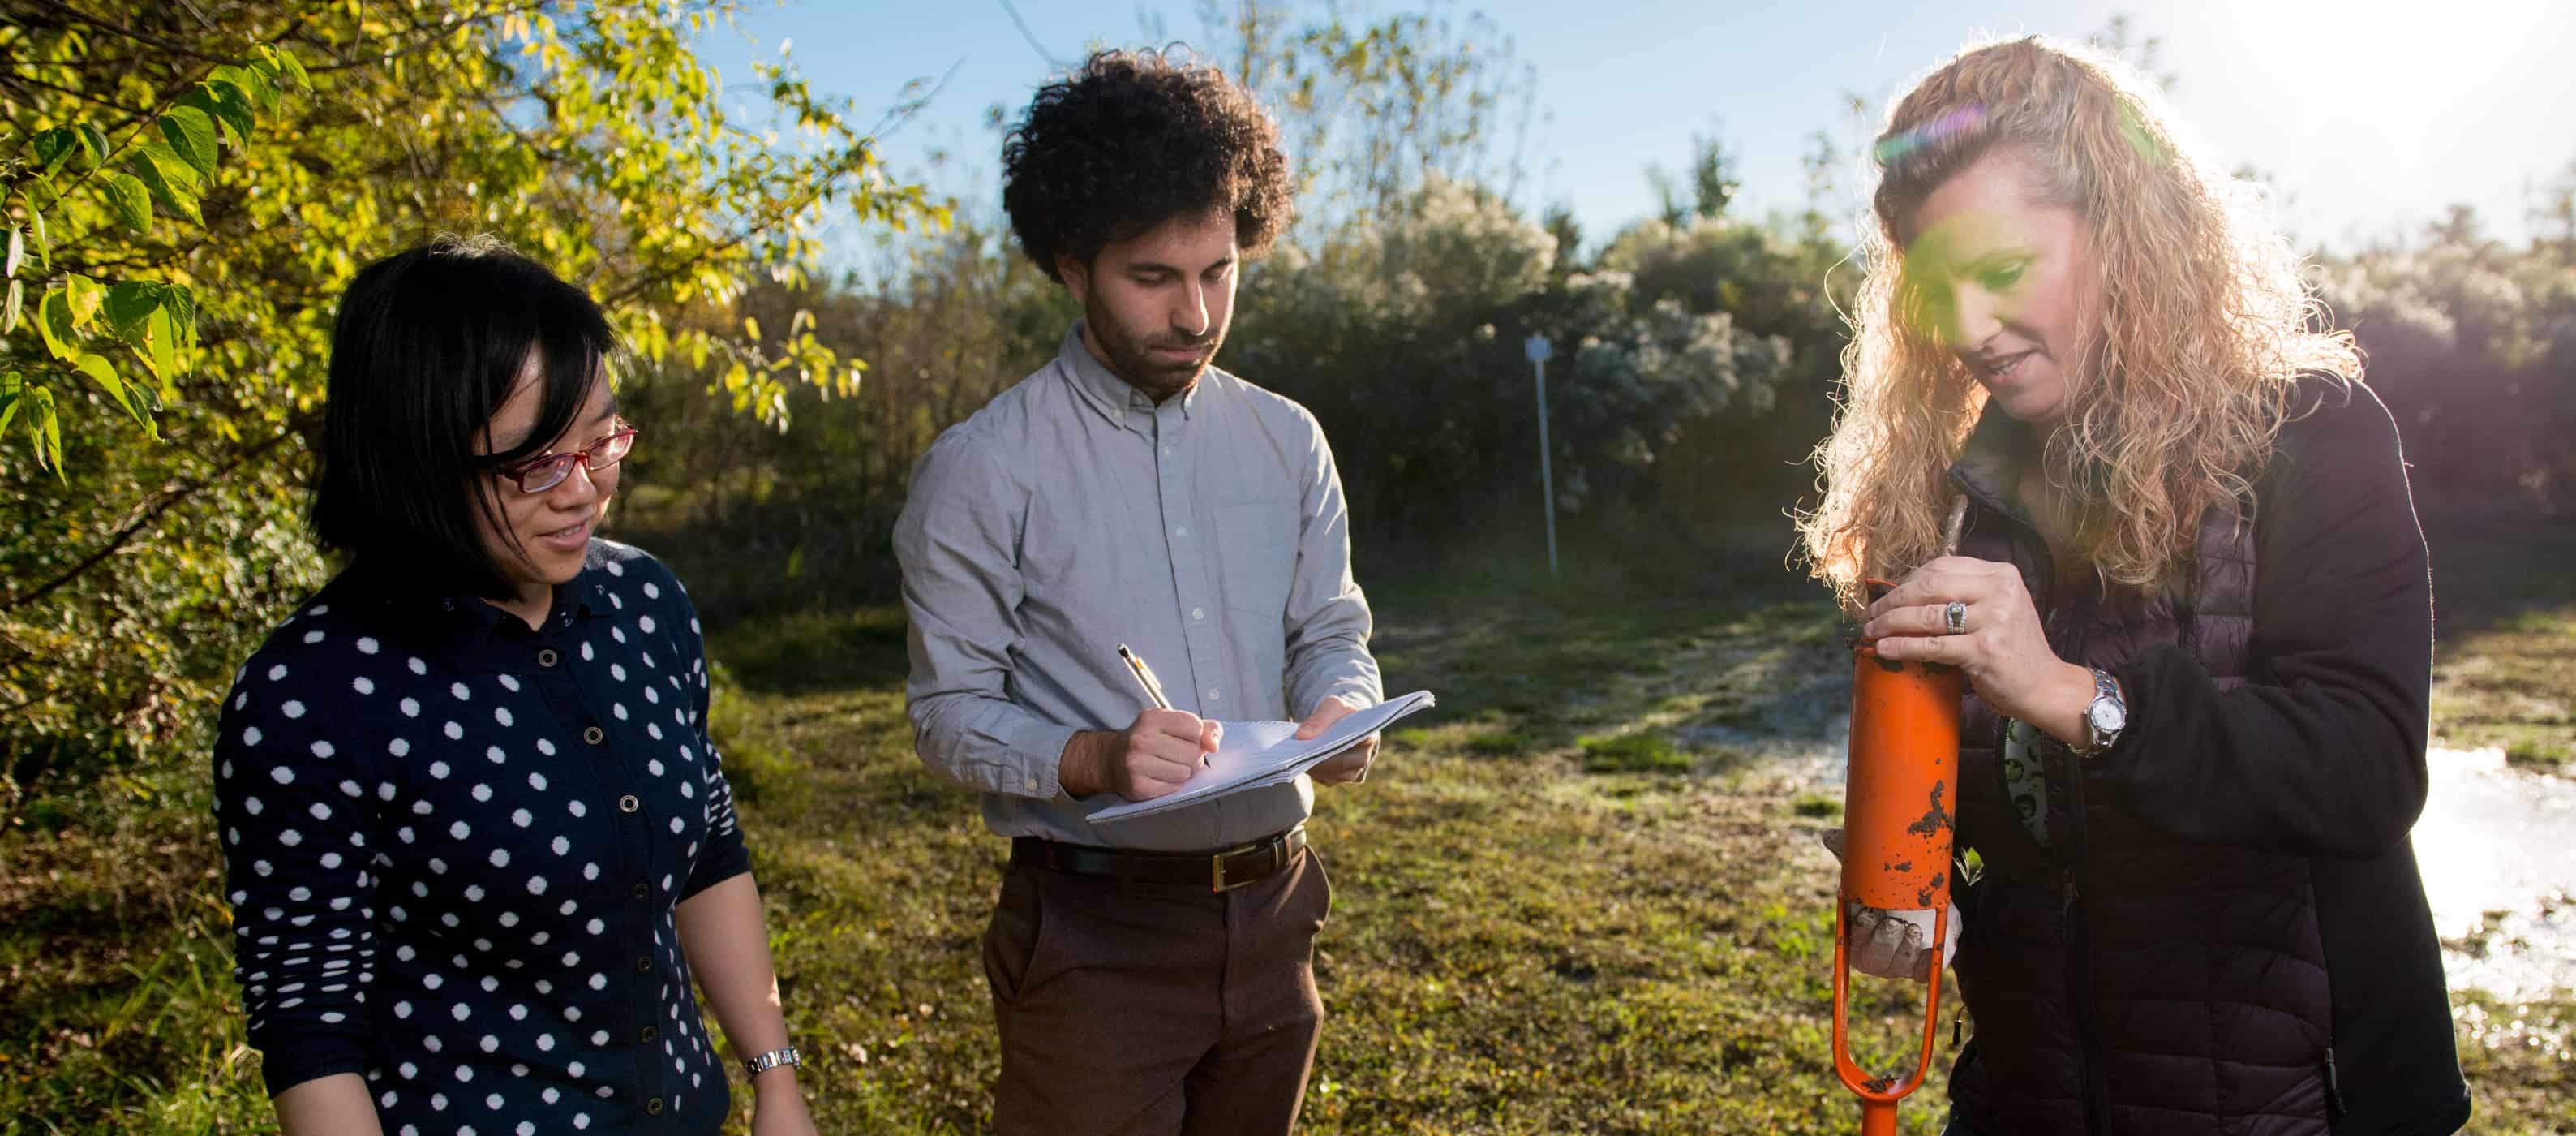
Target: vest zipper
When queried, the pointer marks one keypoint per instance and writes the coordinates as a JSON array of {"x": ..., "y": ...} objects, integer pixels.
[
  {"x": 2079, "y": 963},
  {"x": 2079, "y": 959},
  {"x": 2334, "y": 1089}
]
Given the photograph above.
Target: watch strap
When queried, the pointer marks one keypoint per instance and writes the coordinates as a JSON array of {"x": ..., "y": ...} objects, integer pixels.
[
  {"x": 773, "y": 1059},
  {"x": 2095, "y": 741}
]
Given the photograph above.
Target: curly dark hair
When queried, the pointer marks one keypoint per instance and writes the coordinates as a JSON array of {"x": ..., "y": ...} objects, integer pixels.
[{"x": 1134, "y": 139}]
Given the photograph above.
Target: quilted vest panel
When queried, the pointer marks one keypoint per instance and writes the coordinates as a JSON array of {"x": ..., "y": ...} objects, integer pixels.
[{"x": 2122, "y": 980}]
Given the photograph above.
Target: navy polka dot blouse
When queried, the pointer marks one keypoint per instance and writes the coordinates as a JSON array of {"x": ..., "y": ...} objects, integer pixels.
[{"x": 454, "y": 845}]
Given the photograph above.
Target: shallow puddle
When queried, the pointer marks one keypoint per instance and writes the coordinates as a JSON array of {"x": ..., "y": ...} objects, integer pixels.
[{"x": 2498, "y": 850}]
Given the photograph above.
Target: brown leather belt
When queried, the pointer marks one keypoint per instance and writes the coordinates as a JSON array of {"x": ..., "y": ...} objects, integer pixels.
[{"x": 1222, "y": 870}]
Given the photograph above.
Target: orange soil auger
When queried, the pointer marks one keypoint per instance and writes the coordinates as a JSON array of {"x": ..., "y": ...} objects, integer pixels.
[{"x": 1897, "y": 824}]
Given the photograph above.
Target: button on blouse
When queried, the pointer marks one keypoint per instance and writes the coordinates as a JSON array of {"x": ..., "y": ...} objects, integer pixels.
[{"x": 454, "y": 846}]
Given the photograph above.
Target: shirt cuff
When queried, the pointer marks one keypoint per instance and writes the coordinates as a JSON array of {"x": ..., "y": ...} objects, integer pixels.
[
  {"x": 1358, "y": 690},
  {"x": 2139, "y": 682},
  {"x": 287, "y": 1063},
  {"x": 724, "y": 859},
  {"x": 1036, "y": 755}
]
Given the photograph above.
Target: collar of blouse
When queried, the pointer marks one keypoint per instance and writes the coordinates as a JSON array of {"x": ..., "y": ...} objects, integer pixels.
[{"x": 465, "y": 629}]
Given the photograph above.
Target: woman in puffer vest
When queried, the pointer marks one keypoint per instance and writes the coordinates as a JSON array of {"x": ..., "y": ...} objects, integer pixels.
[{"x": 2192, "y": 603}]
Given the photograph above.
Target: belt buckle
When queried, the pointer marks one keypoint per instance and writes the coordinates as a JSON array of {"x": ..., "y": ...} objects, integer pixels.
[{"x": 1217, "y": 882}]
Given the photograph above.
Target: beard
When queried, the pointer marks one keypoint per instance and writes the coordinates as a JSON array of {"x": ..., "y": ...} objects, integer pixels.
[{"x": 1130, "y": 355}]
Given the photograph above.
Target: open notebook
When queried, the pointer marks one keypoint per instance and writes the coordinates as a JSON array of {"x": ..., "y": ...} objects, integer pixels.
[{"x": 1255, "y": 754}]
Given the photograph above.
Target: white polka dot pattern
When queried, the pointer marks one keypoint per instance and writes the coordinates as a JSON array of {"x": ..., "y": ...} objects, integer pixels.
[{"x": 495, "y": 836}]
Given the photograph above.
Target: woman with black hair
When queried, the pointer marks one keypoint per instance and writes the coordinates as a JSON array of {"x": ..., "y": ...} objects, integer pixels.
[{"x": 477, "y": 841}]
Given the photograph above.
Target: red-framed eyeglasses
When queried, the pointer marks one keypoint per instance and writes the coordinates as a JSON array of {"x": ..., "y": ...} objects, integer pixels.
[{"x": 547, "y": 471}]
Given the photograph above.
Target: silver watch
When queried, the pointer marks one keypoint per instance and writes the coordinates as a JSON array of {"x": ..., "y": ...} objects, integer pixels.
[
  {"x": 2105, "y": 716},
  {"x": 773, "y": 1059}
]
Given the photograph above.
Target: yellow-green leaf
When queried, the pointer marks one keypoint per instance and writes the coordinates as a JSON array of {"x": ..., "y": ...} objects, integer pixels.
[
  {"x": 54, "y": 323},
  {"x": 286, "y": 63},
  {"x": 160, "y": 343},
  {"x": 252, "y": 83},
  {"x": 128, "y": 302},
  {"x": 191, "y": 133},
  {"x": 48, "y": 429},
  {"x": 229, "y": 105},
  {"x": 128, "y": 199},
  {"x": 17, "y": 250},
  {"x": 55, "y": 148},
  {"x": 84, "y": 296},
  {"x": 17, "y": 301},
  {"x": 233, "y": 106},
  {"x": 96, "y": 367},
  {"x": 181, "y": 303},
  {"x": 171, "y": 179}
]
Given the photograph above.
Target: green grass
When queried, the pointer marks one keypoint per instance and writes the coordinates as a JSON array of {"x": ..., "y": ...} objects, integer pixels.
[
  {"x": 1643, "y": 752},
  {"x": 2538, "y": 756},
  {"x": 2504, "y": 668},
  {"x": 1584, "y": 895},
  {"x": 1817, "y": 806},
  {"x": 1518, "y": 945}
]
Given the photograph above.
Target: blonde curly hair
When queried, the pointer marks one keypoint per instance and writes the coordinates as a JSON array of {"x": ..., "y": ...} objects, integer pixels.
[{"x": 2204, "y": 325}]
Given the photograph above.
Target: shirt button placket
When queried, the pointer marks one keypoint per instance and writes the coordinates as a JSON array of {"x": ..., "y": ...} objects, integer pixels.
[
  {"x": 631, "y": 839},
  {"x": 1189, "y": 557}
]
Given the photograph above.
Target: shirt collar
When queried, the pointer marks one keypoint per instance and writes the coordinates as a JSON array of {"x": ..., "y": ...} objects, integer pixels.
[
  {"x": 459, "y": 618},
  {"x": 1101, "y": 387},
  {"x": 572, "y": 603}
]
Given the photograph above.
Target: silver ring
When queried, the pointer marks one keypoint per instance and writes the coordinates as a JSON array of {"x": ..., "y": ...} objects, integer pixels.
[{"x": 1955, "y": 617}]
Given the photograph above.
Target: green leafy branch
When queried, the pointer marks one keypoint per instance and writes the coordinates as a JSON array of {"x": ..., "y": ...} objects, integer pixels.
[{"x": 165, "y": 166}]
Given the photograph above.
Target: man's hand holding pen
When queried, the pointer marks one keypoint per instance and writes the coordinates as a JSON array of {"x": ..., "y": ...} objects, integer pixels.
[{"x": 1151, "y": 757}]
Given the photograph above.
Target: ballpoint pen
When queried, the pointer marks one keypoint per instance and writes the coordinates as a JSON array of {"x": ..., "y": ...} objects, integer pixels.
[{"x": 1153, "y": 689}]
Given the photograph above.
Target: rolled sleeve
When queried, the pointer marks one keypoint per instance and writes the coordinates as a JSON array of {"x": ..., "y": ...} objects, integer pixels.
[
  {"x": 1328, "y": 618},
  {"x": 957, "y": 542},
  {"x": 726, "y": 855},
  {"x": 294, "y": 800}
]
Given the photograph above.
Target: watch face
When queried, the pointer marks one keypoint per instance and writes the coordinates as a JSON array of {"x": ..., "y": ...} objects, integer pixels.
[{"x": 2107, "y": 715}]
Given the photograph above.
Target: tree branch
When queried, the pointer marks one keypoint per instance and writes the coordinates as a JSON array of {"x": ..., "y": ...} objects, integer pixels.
[
  {"x": 157, "y": 43},
  {"x": 151, "y": 510},
  {"x": 433, "y": 37}
]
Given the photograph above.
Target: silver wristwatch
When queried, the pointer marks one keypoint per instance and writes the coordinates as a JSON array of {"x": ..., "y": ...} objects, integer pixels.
[
  {"x": 773, "y": 1059},
  {"x": 2104, "y": 717}
]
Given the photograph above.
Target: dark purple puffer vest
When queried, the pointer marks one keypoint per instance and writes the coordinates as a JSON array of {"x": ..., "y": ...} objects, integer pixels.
[{"x": 2121, "y": 980}]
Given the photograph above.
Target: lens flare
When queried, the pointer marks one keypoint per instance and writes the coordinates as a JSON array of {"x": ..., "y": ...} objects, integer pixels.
[{"x": 1896, "y": 146}]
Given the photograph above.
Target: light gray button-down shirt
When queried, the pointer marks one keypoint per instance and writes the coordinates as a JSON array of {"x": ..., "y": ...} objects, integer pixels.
[{"x": 1072, "y": 514}]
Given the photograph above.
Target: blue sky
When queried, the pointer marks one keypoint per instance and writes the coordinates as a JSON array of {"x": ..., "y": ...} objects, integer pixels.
[{"x": 2370, "y": 115}]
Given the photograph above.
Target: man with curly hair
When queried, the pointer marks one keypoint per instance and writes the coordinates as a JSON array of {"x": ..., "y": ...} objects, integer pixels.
[{"x": 1152, "y": 975}]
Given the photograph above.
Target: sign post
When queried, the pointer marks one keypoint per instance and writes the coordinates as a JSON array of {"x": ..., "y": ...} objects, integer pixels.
[{"x": 1538, "y": 349}]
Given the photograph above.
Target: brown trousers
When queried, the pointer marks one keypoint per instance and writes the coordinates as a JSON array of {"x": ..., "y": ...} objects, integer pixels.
[{"x": 1135, "y": 1009}]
